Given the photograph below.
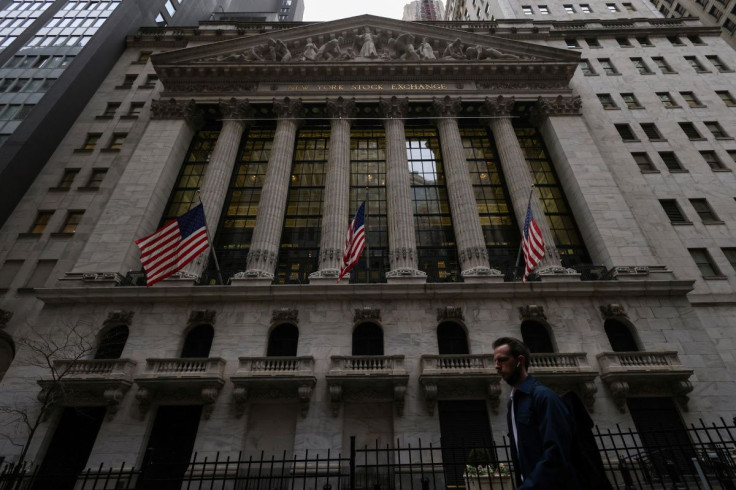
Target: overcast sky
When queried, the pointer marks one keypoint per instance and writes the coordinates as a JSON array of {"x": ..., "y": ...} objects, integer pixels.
[{"x": 338, "y": 9}]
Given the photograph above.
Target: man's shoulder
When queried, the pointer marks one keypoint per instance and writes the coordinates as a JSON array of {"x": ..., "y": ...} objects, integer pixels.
[{"x": 539, "y": 390}]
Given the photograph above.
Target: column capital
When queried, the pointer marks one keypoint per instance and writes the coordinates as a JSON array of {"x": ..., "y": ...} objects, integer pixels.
[
  {"x": 288, "y": 108},
  {"x": 500, "y": 106},
  {"x": 236, "y": 109},
  {"x": 558, "y": 106},
  {"x": 446, "y": 106},
  {"x": 341, "y": 108},
  {"x": 162, "y": 109},
  {"x": 394, "y": 108}
]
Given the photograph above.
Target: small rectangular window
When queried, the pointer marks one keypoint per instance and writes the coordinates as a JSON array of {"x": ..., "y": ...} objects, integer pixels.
[
  {"x": 715, "y": 12},
  {"x": 569, "y": 9},
  {"x": 91, "y": 141},
  {"x": 96, "y": 178},
  {"x": 691, "y": 99},
  {"x": 643, "y": 40},
  {"x": 673, "y": 211},
  {"x": 607, "y": 101},
  {"x": 629, "y": 7},
  {"x": 39, "y": 224},
  {"x": 624, "y": 130},
  {"x": 608, "y": 66},
  {"x": 667, "y": 100},
  {"x": 650, "y": 129},
  {"x": 543, "y": 9},
  {"x": 705, "y": 263},
  {"x": 110, "y": 110},
  {"x": 612, "y": 7},
  {"x": 706, "y": 213},
  {"x": 135, "y": 109},
  {"x": 711, "y": 158},
  {"x": 586, "y": 67},
  {"x": 116, "y": 142},
  {"x": 572, "y": 43},
  {"x": 695, "y": 39},
  {"x": 631, "y": 101},
  {"x": 718, "y": 63},
  {"x": 695, "y": 64},
  {"x": 730, "y": 254},
  {"x": 143, "y": 57},
  {"x": 675, "y": 40},
  {"x": 67, "y": 179},
  {"x": 671, "y": 161},
  {"x": 662, "y": 64},
  {"x": 716, "y": 129},
  {"x": 726, "y": 97},
  {"x": 128, "y": 81},
  {"x": 150, "y": 81},
  {"x": 644, "y": 162},
  {"x": 690, "y": 130},
  {"x": 623, "y": 42},
  {"x": 71, "y": 222},
  {"x": 593, "y": 42},
  {"x": 585, "y": 8},
  {"x": 641, "y": 66}
]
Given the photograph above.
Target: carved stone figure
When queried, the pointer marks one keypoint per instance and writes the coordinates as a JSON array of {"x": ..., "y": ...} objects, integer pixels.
[
  {"x": 310, "y": 51},
  {"x": 403, "y": 47},
  {"x": 368, "y": 49},
  {"x": 454, "y": 50},
  {"x": 277, "y": 51},
  {"x": 483, "y": 53},
  {"x": 425, "y": 50},
  {"x": 331, "y": 50}
]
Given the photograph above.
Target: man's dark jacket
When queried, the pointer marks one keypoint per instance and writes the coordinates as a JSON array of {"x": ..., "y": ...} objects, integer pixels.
[{"x": 544, "y": 427}]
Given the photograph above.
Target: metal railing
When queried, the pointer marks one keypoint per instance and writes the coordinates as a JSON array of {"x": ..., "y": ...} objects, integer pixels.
[{"x": 699, "y": 457}]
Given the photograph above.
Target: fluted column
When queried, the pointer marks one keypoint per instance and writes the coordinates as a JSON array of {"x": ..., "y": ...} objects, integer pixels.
[
  {"x": 519, "y": 177},
  {"x": 471, "y": 244},
  {"x": 264, "y": 247},
  {"x": 335, "y": 212},
  {"x": 402, "y": 242},
  {"x": 218, "y": 172}
]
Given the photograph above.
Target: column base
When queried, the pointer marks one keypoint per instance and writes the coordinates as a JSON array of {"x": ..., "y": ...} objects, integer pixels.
[
  {"x": 252, "y": 278},
  {"x": 481, "y": 275},
  {"x": 180, "y": 279},
  {"x": 326, "y": 276},
  {"x": 557, "y": 273},
  {"x": 406, "y": 276}
]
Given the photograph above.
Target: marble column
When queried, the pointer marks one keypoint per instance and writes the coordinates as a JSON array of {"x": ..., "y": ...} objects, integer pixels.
[
  {"x": 335, "y": 212},
  {"x": 264, "y": 248},
  {"x": 402, "y": 241},
  {"x": 519, "y": 178},
  {"x": 471, "y": 244},
  {"x": 138, "y": 201},
  {"x": 218, "y": 172}
]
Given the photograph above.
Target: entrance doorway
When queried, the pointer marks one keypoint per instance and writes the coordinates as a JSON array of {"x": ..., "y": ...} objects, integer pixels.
[
  {"x": 70, "y": 448},
  {"x": 169, "y": 447},
  {"x": 465, "y": 437}
]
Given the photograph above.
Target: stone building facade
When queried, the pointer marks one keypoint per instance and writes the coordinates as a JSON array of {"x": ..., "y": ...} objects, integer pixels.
[{"x": 442, "y": 129}]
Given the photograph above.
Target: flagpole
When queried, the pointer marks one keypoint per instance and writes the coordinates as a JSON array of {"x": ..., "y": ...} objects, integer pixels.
[
  {"x": 518, "y": 256},
  {"x": 209, "y": 240}
]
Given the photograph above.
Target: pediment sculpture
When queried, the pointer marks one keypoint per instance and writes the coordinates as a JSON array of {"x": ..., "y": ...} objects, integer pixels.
[{"x": 368, "y": 45}]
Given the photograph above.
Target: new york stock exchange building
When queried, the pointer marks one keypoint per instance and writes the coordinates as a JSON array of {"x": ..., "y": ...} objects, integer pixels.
[{"x": 448, "y": 132}]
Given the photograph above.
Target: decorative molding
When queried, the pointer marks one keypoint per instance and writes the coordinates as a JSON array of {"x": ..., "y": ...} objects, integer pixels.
[
  {"x": 113, "y": 277},
  {"x": 430, "y": 396},
  {"x": 119, "y": 317},
  {"x": 259, "y": 262},
  {"x": 450, "y": 313},
  {"x": 341, "y": 108},
  {"x": 235, "y": 109},
  {"x": 447, "y": 106},
  {"x": 288, "y": 108},
  {"x": 240, "y": 397},
  {"x": 399, "y": 398},
  {"x": 304, "y": 393},
  {"x": 394, "y": 108},
  {"x": 199, "y": 317},
  {"x": 613, "y": 310},
  {"x": 367, "y": 313},
  {"x": 162, "y": 109},
  {"x": 335, "y": 398},
  {"x": 494, "y": 395},
  {"x": 559, "y": 106},
  {"x": 285, "y": 315},
  {"x": 499, "y": 107},
  {"x": 532, "y": 312}
]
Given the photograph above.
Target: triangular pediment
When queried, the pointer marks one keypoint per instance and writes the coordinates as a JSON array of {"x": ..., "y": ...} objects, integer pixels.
[{"x": 360, "y": 47}]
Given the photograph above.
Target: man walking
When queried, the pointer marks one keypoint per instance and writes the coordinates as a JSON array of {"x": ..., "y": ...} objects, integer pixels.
[{"x": 540, "y": 426}]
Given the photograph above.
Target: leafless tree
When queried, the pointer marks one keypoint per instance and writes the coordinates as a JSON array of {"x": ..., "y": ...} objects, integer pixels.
[{"x": 54, "y": 354}]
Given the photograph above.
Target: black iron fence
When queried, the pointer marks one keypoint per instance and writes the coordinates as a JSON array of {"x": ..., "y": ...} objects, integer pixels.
[{"x": 699, "y": 457}]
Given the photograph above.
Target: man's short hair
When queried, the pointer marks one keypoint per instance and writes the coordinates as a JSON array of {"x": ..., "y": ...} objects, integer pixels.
[{"x": 516, "y": 346}]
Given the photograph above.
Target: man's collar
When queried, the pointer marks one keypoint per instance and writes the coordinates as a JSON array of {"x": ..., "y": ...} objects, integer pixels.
[{"x": 526, "y": 385}]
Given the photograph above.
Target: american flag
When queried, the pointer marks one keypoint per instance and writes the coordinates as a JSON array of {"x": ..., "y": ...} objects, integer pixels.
[
  {"x": 532, "y": 243},
  {"x": 354, "y": 243},
  {"x": 170, "y": 248}
]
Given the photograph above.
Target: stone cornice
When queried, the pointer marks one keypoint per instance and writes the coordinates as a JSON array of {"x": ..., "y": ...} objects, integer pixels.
[{"x": 595, "y": 290}]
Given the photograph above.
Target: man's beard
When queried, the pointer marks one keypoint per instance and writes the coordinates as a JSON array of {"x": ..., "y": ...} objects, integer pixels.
[{"x": 514, "y": 377}]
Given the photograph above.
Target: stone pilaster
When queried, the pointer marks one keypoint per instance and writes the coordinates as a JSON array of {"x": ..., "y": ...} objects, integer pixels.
[
  {"x": 335, "y": 213},
  {"x": 471, "y": 245},
  {"x": 519, "y": 178},
  {"x": 261, "y": 261},
  {"x": 138, "y": 201},
  {"x": 219, "y": 171},
  {"x": 402, "y": 242}
]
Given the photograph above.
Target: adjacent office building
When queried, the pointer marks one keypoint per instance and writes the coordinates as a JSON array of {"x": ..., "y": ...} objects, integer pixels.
[
  {"x": 424, "y": 10},
  {"x": 615, "y": 129}
]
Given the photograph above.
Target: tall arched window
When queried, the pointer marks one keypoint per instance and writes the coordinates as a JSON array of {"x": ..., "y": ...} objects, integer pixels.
[
  {"x": 198, "y": 342},
  {"x": 536, "y": 337},
  {"x": 112, "y": 343},
  {"x": 367, "y": 340},
  {"x": 452, "y": 339},
  {"x": 620, "y": 336},
  {"x": 283, "y": 341}
]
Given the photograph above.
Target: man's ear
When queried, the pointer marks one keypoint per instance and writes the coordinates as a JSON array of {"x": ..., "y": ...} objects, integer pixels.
[{"x": 521, "y": 361}]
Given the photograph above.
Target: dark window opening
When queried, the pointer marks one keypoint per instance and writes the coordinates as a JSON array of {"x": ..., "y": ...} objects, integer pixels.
[
  {"x": 620, "y": 336},
  {"x": 112, "y": 343},
  {"x": 283, "y": 341},
  {"x": 367, "y": 340},
  {"x": 536, "y": 337},
  {"x": 452, "y": 339},
  {"x": 198, "y": 342}
]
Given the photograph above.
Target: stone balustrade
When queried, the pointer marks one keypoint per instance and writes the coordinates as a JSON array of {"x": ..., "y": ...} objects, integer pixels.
[
  {"x": 92, "y": 368},
  {"x": 367, "y": 365},
  {"x": 559, "y": 362},
  {"x": 457, "y": 363},
  {"x": 276, "y": 366},
  {"x": 639, "y": 361},
  {"x": 186, "y": 366}
]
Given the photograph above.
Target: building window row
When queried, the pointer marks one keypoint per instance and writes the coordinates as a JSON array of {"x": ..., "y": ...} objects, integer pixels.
[
  {"x": 707, "y": 266},
  {"x": 40, "y": 61},
  {"x": 15, "y": 112},
  {"x": 130, "y": 79},
  {"x": 134, "y": 110},
  {"x": 625, "y": 42},
  {"x": 33, "y": 85},
  {"x": 92, "y": 140},
  {"x": 673, "y": 164},
  {"x": 643, "y": 67},
  {"x": 68, "y": 226},
  {"x": 701, "y": 206},
  {"x": 691, "y": 100},
  {"x": 584, "y": 8}
]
